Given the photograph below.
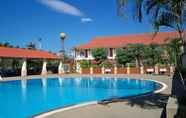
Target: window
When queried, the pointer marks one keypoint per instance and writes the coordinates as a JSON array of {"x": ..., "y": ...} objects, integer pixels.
[
  {"x": 81, "y": 53},
  {"x": 111, "y": 52},
  {"x": 86, "y": 53}
]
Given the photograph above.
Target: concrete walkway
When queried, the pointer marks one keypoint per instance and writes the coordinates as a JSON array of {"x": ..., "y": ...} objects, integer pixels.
[{"x": 149, "y": 106}]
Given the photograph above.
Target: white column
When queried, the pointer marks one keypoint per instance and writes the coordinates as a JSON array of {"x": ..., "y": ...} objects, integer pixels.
[
  {"x": 60, "y": 68},
  {"x": 24, "y": 68},
  {"x": 44, "y": 69}
]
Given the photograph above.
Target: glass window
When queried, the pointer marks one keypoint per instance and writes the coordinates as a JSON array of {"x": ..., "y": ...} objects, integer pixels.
[
  {"x": 81, "y": 53},
  {"x": 111, "y": 52}
]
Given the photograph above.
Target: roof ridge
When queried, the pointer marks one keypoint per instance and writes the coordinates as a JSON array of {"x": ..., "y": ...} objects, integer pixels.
[
  {"x": 126, "y": 35},
  {"x": 24, "y": 49}
]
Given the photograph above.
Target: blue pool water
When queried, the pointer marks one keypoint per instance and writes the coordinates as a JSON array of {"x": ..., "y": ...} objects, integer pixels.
[{"x": 21, "y": 99}]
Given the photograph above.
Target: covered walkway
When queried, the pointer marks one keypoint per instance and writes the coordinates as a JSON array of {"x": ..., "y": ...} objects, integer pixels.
[{"x": 24, "y": 55}]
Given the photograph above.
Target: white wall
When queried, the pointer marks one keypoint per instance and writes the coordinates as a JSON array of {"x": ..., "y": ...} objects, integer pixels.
[{"x": 80, "y": 56}]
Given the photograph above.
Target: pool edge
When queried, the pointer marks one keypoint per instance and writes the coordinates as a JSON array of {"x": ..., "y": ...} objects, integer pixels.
[{"x": 48, "y": 113}]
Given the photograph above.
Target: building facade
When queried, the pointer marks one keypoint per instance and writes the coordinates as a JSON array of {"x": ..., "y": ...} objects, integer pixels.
[{"x": 83, "y": 52}]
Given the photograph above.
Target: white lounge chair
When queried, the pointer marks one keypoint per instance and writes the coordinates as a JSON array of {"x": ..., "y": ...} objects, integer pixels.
[
  {"x": 150, "y": 70},
  {"x": 107, "y": 70},
  {"x": 163, "y": 70}
]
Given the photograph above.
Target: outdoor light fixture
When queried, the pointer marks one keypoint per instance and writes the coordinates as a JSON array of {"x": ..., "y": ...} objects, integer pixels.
[{"x": 62, "y": 36}]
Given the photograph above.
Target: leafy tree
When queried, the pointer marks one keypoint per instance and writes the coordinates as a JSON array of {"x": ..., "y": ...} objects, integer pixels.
[
  {"x": 163, "y": 13},
  {"x": 173, "y": 50},
  {"x": 123, "y": 56},
  {"x": 153, "y": 54},
  {"x": 168, "y": 13},
  {"x": 137, "y": 52},
  {"x": 31, "y": 45},
  {"x": 99, "y": 55},
  {"x": 6, "y": 44}
]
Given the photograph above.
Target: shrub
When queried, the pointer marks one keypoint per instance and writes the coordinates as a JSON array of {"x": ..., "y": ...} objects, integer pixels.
[
  {"x": 123, "y": 57},
  {"x": 85, "y": 64},
  {"x": 99, "y": 55}
]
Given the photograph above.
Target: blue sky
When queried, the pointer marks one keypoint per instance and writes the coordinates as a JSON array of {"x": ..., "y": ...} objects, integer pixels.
[{"x": 22, "y": 21}]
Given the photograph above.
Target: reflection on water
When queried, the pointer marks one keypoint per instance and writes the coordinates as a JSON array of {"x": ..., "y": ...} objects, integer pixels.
[
  {"x": 60, "y": 81},
  {"x": 24, "y": 89},
  {"x": 23, "y": 83},
  {"x": 78, "y": 81},
  {"x": 44, "y": 87},
  {"x": 44, "y": 82}
]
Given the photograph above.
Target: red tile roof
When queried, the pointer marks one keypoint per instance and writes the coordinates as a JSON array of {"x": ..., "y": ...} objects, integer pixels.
[
  {"x": 25, "y": 53},
  {"x": 121, "y": 41}
]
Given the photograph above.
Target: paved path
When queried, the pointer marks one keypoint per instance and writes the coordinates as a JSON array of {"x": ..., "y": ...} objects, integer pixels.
[{"x": 150, "y": 106}]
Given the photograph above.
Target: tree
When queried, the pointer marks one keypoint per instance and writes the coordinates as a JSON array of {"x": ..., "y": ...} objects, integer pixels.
[
  {"x": 123, "y": 56},
  {"x": 99, "y": 54},
  {"x": 31, "y": 45},
  {"x": 173, "y": 50},
  {"x": 168, "y": 13},
  {"x": 152, "y": 54},
  {"x": 6, "y": 44},
  {"x": 137, "y": 52}
]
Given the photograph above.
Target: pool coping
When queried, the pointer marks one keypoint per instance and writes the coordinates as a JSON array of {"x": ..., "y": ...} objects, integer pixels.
[{"x": 106, "y": 101}]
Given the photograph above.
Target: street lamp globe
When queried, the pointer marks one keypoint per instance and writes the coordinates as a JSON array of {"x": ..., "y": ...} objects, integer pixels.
[{"x": 62, "y": 35}]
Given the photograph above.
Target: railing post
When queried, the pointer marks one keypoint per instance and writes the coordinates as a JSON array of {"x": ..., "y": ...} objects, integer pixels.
[
  {"x": 103, "y": 70},
  {"x": 91, "y": 70},
  {"x": 115, "y": 70},
  {"x": 128, "y": 68},
  {"x": 142, "y": 70},
  {"x": 80, "y": 70},
  {"x": 156, "y": 69}
]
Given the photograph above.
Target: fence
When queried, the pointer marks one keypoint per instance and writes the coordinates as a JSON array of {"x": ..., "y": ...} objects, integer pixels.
[{"x": 168, "y": 70}]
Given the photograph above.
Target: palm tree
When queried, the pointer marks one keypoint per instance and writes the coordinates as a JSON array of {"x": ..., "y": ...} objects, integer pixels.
[{"x": 169, "y": 13}]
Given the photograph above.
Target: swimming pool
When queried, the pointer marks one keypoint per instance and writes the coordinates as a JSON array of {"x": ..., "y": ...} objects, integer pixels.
[{"x": 23, "y": 99}]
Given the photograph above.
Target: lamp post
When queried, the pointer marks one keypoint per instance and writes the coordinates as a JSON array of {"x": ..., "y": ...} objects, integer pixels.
[{"x": 62, "y": 36}]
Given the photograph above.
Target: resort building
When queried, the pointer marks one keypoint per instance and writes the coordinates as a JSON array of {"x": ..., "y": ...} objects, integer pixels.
[{"x": 83, "y": 52}]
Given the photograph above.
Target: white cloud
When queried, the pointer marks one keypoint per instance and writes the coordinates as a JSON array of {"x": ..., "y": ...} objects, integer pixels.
[
  {"x": 85, "y": 20},
  {"x": 62, "y": 7}
]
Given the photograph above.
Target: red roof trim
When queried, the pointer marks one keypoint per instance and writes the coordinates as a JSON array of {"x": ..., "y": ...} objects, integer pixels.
[{"x": 25, "y": 53}]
